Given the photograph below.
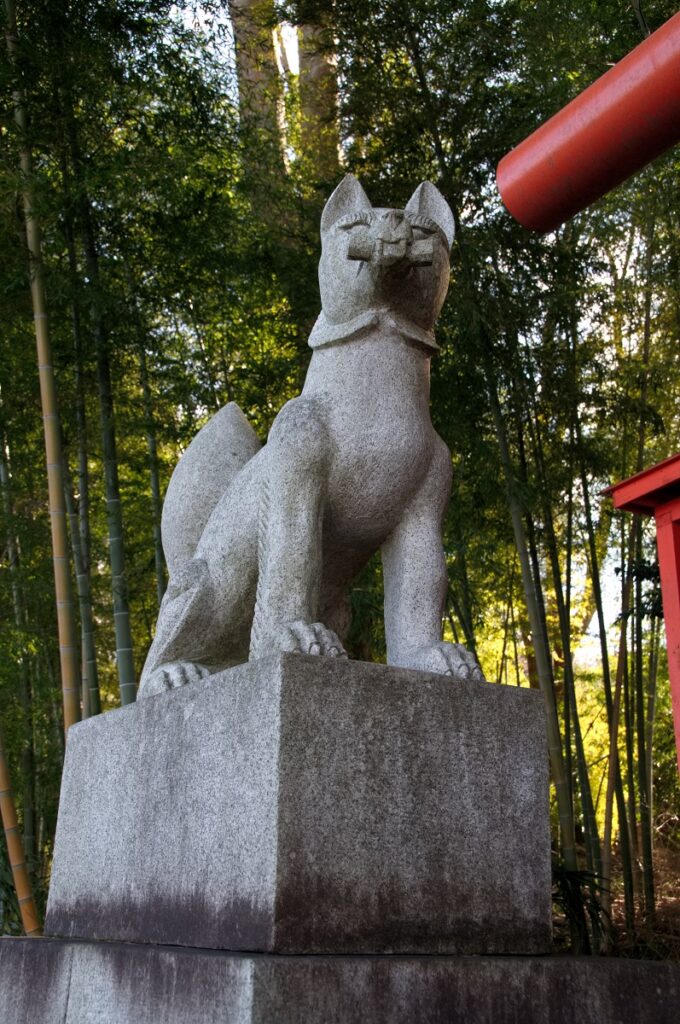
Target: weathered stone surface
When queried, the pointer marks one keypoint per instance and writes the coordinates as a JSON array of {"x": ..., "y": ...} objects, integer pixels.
[
  {"x": 214, "y": 457},
  {"x": 34, "y": 980},
  {"x": 303, "y": 804},
  {"x": 45, "y": 981},
  {"x": 264, "y": 545}
]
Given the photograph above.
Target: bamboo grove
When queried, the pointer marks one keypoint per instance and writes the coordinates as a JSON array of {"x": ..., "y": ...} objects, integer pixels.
[{"x": 162, "y": 171}]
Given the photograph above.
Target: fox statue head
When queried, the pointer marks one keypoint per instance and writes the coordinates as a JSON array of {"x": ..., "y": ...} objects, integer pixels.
[{"x": 377, "y": 262}]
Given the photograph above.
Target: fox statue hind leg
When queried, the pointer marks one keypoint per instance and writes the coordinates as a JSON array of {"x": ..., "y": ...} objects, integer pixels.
[
  {"x": 196, "y": 618},
  {"x": 253, "y": 585}
]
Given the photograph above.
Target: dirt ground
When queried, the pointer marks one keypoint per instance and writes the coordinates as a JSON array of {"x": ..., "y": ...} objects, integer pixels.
[{"x": 660, "y": 939}]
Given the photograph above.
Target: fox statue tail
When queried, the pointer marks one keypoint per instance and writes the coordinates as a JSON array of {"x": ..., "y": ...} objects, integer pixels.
[{"x": 217, "y": 453}]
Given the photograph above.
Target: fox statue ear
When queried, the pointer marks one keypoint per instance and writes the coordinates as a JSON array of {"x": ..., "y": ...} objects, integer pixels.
[
  {"x": 429, "y": 202},
  {"x": 348, "y": 197}
]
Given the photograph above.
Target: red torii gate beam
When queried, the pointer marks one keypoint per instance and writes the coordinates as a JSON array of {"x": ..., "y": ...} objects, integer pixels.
[
  {"x": 657, "y": 491},
  {"x": 612, "y": 129}
]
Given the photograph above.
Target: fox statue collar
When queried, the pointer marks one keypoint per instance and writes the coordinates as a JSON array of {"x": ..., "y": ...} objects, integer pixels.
[{"x": 325, "y": 333}]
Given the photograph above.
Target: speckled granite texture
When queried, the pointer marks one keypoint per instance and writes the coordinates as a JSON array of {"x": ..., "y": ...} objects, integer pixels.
[
  {"x": 310, "y": 805},
  {"x": 52, "y": 981}
]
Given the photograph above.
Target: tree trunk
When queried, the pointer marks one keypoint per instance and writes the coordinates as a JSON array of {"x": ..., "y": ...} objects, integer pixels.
[
  {"x": 593, "y": 848},
  {"x": 27, "y": 752},
  {"x": 91, "y": 697},
  {"x": 68, "y": 652},
  {"x": 121, "y": 611},
  {"x": 652, "y": 672},
  {"x": 79, "y": 519},
  {"x": 320, "y": 140},
  {"x": 259, "y": 83},
  {"x": 154, "y": 477},
  {"x": 612, "y": 776},
  {"x": 461, "y": 596},
  {"x": 538, "y": 636},
  {"x": 22, "y": 883},
  {"x": 614, "y": 779},
  {"x": 644, "y": 781},
  {"x": 644, "y": 787}
]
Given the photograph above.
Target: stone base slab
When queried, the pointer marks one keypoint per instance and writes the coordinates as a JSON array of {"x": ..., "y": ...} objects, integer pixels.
[
  {"x": 310, "y": 805},
  {"x": 54, "y": 981}
]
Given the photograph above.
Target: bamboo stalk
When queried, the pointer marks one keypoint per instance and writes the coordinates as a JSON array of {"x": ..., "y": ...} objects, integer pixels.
[
  {"x": 644, "y": 787},
  {"x": 152, "y": 449},
  {"x": 629, "y": 723},
  {"x": 614, "y": 752},
  {"x": 644, "y": 781},
  {"x": 114, "y": 513},
  {"x": 515, "y": 651},
  {"x": 68, "y": 651},
  {"x": 91, "y": 699},
  {"x": 27, "y": 756},
  {"x": 614, "y": 776},
  {"x": 15, "y": 850},
  {"x": 88, "y": 661},
  {"x": 461, "y": 596},
  {"x": 652, "y": 672},
  {"x": 538, "y": 638},
  {"x": 593, "y": 848}
]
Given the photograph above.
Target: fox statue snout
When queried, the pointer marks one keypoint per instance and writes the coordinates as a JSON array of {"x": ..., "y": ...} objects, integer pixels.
[{"x": 391, "y": 241}]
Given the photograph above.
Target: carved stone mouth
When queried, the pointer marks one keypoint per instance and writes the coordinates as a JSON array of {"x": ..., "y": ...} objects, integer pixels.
[{"x": 387, "y": 252}]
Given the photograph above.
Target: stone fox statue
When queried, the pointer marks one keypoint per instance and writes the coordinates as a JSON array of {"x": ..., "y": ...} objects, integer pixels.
[{"x": 263, "y": 543}]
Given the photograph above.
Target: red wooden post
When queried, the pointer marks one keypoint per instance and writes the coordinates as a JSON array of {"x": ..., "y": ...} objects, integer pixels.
[
  {"x": 657, "y": 491},
  {"x": 612, "y": 129}
]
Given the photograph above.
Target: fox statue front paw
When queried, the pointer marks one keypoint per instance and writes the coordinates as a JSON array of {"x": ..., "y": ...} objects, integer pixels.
[
  {"x": 301, "y": 638},
  {"x": 171, "y": 677},
  {"x": 445, "y": 658}
]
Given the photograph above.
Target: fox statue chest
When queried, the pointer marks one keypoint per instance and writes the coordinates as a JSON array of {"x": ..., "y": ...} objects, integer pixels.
[{"x": 372, "y": 395}]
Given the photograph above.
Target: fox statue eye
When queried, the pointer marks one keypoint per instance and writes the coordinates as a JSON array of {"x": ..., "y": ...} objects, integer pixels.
[
  {"x": 352, "y": 220},
  {"x": 424, "y": 226}
]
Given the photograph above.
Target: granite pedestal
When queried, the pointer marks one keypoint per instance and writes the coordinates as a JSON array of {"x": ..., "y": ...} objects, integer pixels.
[
  {"x": 310, "y": 805},
  {"x": 328, "y": 811},
  {"x": 53, "y": 981}
]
